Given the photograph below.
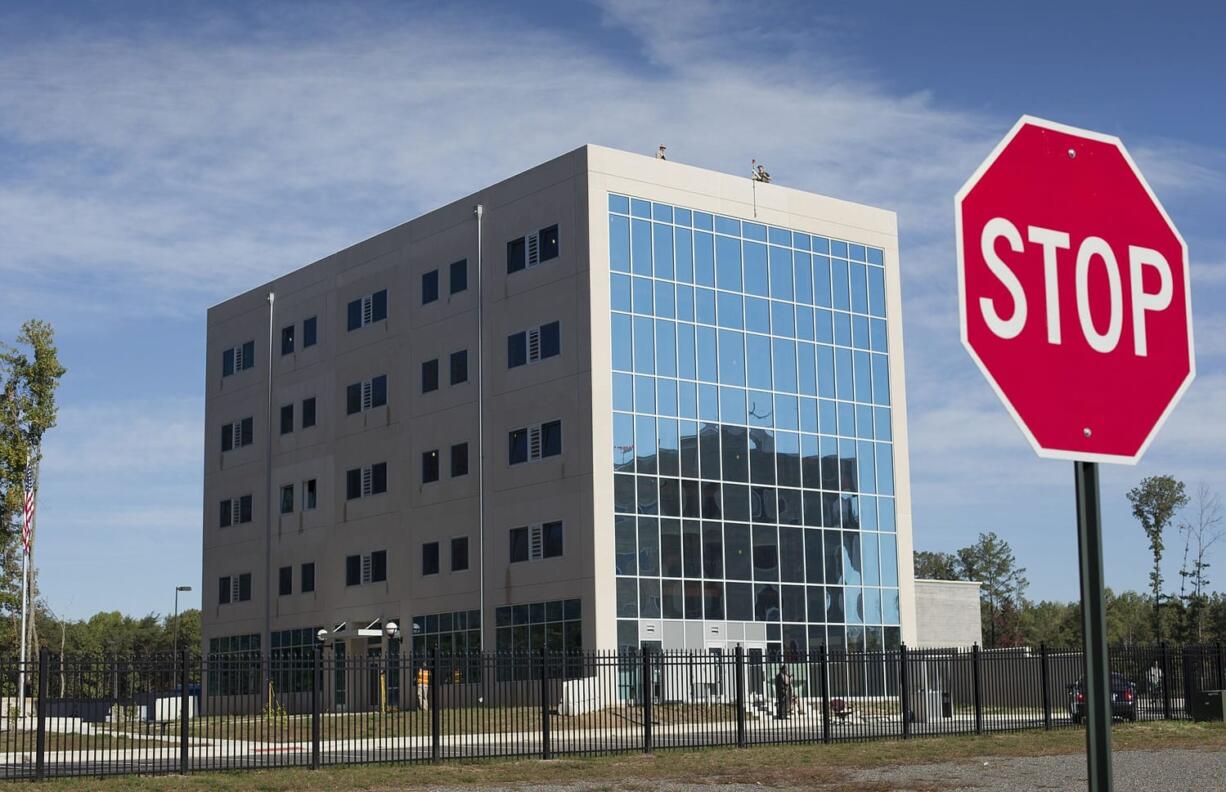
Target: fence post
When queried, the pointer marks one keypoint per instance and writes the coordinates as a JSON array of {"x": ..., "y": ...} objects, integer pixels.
[
  {"x": 740, "y": 695},
  {"x": 646, "y": 686},
  {"x": 1221, "y": 668},
  {"x": 544, "y": 705},
  {"x": 40, "y": 744},
  {"x": 976, "y": 688},
  {"x": 1166, "y": 681},
  {"x": 824, "y": 671},
  {"x": 1043, "y": 671},
  {"x": 184, "y": 705},
  {"x": 435, "y": 736},
  {"x": 904, "y": 691},
  {"x": 316, "y": 704}
]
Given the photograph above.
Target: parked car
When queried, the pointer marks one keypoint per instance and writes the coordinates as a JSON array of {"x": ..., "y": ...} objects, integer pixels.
[{"x": 1123, "y": 698}]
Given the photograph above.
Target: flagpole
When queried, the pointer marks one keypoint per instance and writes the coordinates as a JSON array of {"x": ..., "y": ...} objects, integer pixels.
[{"x": 21, "y": 665}]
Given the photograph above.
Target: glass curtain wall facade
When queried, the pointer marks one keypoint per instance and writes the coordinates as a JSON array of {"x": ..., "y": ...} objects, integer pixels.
[{"x": 752, "y": 458}]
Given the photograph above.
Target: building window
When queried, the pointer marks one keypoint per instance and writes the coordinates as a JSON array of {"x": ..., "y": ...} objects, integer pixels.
[
  {"x": 536, "y": 542},
  {"x": 555, "y": 626},
  {"x": 235, "y": 511},
  {"x": 535, "y": 442},
  {"x": 244, "y": 587},
  {"x": 459, "y": 554},
  {"x": 429, "y": 287},
  {"x": 459, "y": 460},
  {"x": 459, "y": 367},
  {"x": 461, "y": 630},
  {"x": 368, "y": 568},
  {"x": 362, "y": 396},
  {"x": 285, "y": 581},
  {"x": 367, "y": 310},
  {"x": 224, "y": 590},
  {"x": 366, "y": 481},
  {"x": 237, "y": 434},
  {"x": 308, "y": 495},
  {"x": 459, "y": 276},
  {"x": 429, "y": 466},
  {"x": 429, "y": 376},
  {"x": 308, "y": 413},
  {"x": 239, "y": 358},
  {"x": 528, "y": 251},
  {"x": 307, "y": 577},
  {"x": 287, "y": 340},
  {"x": 287, "y": 418},
  {"x": 535, "y": 344},
  {"x": 429, "y": 558},
  {"x": 287, "y": 498},
  {"x": 309, "y": 336}
]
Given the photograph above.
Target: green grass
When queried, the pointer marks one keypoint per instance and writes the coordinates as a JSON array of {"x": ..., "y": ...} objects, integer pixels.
[{"x": 827, "y": 766}]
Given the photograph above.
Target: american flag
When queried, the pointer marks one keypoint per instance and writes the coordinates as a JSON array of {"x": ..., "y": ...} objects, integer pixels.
[{"x": 27, "y": 523}]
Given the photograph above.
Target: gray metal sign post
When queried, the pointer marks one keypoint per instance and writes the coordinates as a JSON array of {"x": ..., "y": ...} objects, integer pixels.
[{"x": 1094, "y": 628}]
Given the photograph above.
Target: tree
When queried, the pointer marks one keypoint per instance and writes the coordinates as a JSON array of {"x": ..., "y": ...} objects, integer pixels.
[
  {"x": 935, "y": 565},
  {"x": 30, "y": 372},
  {"x": 1201, "y": 533},
  {"x": 1154, "y": 503},
  {"x": 991, "y": 561}
]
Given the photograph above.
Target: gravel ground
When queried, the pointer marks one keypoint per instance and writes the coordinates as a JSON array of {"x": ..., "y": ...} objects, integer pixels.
[
  {"x": 1139, "y": 771},
  {"x": 1143, "y": 771}
]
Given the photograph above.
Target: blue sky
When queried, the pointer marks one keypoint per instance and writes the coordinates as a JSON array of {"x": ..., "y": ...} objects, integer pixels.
[{"x": 156, "y": 159}]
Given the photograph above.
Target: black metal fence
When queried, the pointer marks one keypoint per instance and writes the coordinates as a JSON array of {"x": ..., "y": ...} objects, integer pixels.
[{"x": 97, "y": 716}]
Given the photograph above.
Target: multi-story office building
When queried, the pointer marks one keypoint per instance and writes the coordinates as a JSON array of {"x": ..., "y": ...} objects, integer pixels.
[{"x": 612, "y": 401}]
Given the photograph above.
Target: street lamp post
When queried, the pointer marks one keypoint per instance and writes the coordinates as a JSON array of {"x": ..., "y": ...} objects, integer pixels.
[{"x": 176, "y": 640}]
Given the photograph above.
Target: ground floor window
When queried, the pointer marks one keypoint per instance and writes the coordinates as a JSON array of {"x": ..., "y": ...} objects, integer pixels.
[
  {"x": 293, "y": 659},
  {"x": 234, "y": 665},
  {"x": 555, "y": 626}
]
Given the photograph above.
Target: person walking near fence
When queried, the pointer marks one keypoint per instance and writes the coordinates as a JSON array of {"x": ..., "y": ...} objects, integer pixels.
[
  {"x": 783, "y": 692},
  {"x": 423, "y": 687}
]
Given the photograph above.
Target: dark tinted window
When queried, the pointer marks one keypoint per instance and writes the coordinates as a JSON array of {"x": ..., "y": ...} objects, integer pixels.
[
  {"x": 223, "y": 590},
  {"x": 459, "y": 276},
  {"x": 551, "y": 539},
  {"x": 244, "y": 587},
  {"x": 459, "y": 367},
  {"x": 516, "y": 255},
  {"x": 287, "y": 340},
  {"x": 551, "y": 438},
  {"x": 355, "y": 314},
  {"x": 378, "y": 478},
  {"x": 378, "y": 306},
  {"x": 551, "y": 341},
  {"x": 287, "y": 499},
  {"x": 307, "y": 582},
  {"x": 517, "y": 349},
  {"x": 429, "y": 466},
  {"x": 227, "y": 437},
  {"x": 429, "y": 376},
  {"x": 227, "y": 362},
  {"x": 308, "y": 412},
  {"x": 429, "y": 287},
  {"x": 287, "y": 418},
  {"x": 378, "y": 566},
  {"x": 244, "y": 509},
  {"x": 429, "y": 558},
  {"x": 518, "y": 442},
  {"x": 353, "y": 570},
  {"x": 247, "y": 432},
  {"x": 459, "y": 460},
  {"x": 226, "y": 514},
  {"x": 285, "y": 581},
  {"x": 549, "y": 243},
  {"x": 519, "y": 544},
  {"x": 353, "y": 483},
  {"x": 249, "y": 355},
  {"x": 459, "y": 554},
  {"x": 353, "y": 398},
  {"x": 378, "y": 391},
  {"x": 309, "y": 337}
]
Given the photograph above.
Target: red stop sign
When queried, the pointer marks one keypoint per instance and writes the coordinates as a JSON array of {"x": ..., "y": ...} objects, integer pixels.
[{"x": 1074, "y": 293}]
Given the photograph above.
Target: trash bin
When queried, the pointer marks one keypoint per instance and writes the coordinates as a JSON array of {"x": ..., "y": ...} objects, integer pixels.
[
  {"x": 947, "y": 704},
  {"x": 1207, "y": 705}
]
